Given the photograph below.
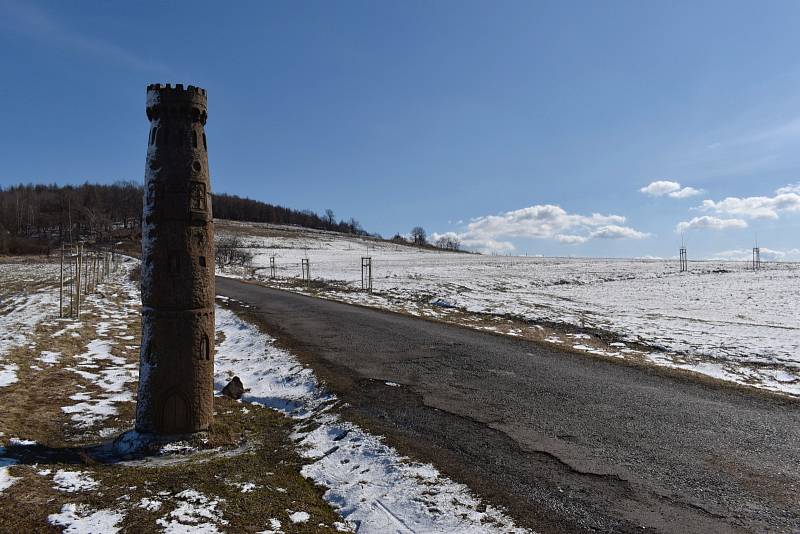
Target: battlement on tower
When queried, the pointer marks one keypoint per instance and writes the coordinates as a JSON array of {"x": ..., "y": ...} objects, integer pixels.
[
  {"x": 178, "y": 89},
  {"x": 177, "y": 99}
]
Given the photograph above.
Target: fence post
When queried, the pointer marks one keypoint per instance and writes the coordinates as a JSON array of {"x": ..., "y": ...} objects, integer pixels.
[
  {"x": 61, "y": 284},
  {"x": 78, "y": 268}
]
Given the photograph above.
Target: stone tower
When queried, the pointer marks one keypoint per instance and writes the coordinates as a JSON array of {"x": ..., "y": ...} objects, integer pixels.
[{"x": 176, "y": 369}]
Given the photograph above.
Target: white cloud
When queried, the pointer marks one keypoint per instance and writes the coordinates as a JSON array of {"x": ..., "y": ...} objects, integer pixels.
[
  {"x": 710, "y": 223},
  {"x": 487, "y": 245},
  {"x": 791, "y": 188},
  {"x": 766, "y": 254},
  {"x": 544, "y": 221},
  {"x": 612, "y": 231},
  {"x": 660, "y": 188},
  {"x": 685, "y": 192},
  {"x": 786, "y": 198},
  {"x": 571, "y": 239},
  {"x": 478, "y": 244}
]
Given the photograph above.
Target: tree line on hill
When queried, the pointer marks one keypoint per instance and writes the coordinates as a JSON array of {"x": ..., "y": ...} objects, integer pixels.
[
  {"x": 419, "y": 237},
  {"x": 35, "y": 218}
]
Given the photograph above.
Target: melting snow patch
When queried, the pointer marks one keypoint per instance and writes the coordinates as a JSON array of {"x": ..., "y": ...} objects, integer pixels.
[
  {"x": 29, "y": 311},
  {"x": 49, "y": 357},
  {"x": 149, "y": 504},
  {"x": 247, "y": 487},
  {"x": 373, "y": 485},
  {"x": 19, "y": 442},
  {"x": 72, "y": 481},
  {"x": 99, "y": 349},
  {"x": 80, "y": 519},
  {"x": 275, "y": 527},
  {"x": 194, "y": 513},
  {"x": 6, "y": 480},
  {"x": 86, "y": 414},
  {"x": 178, "y": 447},
  {"x": 298, "y": 517},
  {"x": 8, "y": 374},
  {"x": 113, "y": 379}
]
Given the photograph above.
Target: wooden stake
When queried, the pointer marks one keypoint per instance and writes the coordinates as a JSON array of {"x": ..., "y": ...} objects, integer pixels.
[
  {"x": 78, "y": 262},
  {"x": 61, "y": 284}
]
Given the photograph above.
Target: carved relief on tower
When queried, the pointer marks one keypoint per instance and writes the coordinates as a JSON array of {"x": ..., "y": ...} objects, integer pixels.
[{"x": 197, "y": 197}]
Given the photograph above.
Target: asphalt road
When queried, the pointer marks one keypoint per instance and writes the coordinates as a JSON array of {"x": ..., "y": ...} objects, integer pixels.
[{"x": 567, "y": 442}]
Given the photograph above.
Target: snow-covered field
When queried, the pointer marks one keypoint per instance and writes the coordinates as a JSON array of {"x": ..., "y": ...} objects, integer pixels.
[
  {"x": 719, "y": 319},
  {"x": 24, "y": 303}
]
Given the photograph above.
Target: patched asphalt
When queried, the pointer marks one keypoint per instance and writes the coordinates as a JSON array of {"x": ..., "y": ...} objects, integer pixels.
[{"x": 565, "y": 441}]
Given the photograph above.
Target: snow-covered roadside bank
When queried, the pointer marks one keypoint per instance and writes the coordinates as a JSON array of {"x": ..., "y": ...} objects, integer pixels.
[{"x": 369, "y": 483}]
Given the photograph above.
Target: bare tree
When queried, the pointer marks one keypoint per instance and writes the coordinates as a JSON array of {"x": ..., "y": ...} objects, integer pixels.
[
  {"x": 330, "y": 217},
  {"x": 354, "y": 226},
  {"x": 449, "y": 242},
  {"x": 228, "y": 251},
  {"x": 418, "y": 236}
]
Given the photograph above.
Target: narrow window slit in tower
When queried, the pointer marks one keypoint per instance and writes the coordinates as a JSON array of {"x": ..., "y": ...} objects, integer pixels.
[
  {"x": 204, "y": 348},
  {"x": 194, "y": 138},
  {"x": 202, "y": 260},
  {"x": 205, "y": 146}
]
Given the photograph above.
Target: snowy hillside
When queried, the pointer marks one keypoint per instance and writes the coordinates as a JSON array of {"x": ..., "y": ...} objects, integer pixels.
[{"x": 720, "y": 318}]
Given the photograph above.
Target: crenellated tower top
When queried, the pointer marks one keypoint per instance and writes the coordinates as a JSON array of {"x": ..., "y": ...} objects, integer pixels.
[{"x": 167, "y": 101}]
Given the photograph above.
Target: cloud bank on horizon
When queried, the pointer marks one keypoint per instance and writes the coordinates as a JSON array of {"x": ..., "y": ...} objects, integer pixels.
[
  {"x": 490, "y": 233},
  {"x": 786, "y": 199},
  {"x": 707, "y": 222},
  {"x": 495, "y": 233}
]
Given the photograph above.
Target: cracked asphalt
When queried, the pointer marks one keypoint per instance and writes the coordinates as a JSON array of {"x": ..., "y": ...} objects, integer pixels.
[{"x": 566, "y": 442}]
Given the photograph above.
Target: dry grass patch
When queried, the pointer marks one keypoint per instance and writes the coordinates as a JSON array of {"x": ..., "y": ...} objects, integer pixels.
[{"x": 260, "y": 483}]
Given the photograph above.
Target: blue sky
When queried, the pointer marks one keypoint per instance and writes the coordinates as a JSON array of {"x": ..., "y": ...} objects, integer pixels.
[{"x": 532, "y": 125}]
